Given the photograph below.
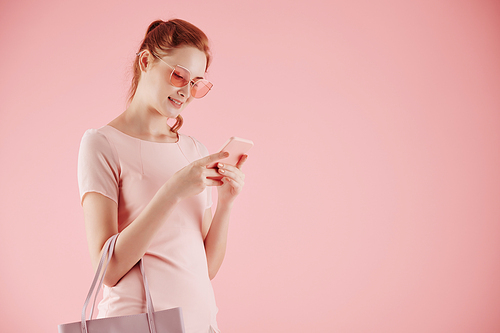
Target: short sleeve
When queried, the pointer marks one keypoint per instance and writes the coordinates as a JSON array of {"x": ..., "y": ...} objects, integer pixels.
[
  {"x": 204, "y": 152},
  {"x": 98, "y": 166}
]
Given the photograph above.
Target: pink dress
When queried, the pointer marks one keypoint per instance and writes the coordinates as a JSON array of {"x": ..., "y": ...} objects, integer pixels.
[{"x": 130, "y": 171}]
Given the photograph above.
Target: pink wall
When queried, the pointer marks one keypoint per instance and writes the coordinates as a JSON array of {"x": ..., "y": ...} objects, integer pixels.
[{"x": 372, "y": 201}]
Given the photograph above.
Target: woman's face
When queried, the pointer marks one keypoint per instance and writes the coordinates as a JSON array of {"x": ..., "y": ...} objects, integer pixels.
[{"x": 162, "y": 96}]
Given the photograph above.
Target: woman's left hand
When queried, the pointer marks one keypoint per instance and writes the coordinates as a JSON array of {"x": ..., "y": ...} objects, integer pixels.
[{"x": 233, "y": 180}]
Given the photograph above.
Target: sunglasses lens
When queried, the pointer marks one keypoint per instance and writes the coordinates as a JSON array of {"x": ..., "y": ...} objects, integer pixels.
[
  {"x": 201, "y": 88},
  {"x": 180, "y": 77}
]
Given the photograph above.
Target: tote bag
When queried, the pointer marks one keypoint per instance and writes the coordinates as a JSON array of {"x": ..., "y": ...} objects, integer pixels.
[{"x": 165, "y": 321}]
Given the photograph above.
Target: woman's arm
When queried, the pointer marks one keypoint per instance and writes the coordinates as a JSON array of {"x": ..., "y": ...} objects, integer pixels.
[
  {"x": 101, "y": 217},
  {"x": 216, "y": 236},
  {"x": 101, "y": 222}
]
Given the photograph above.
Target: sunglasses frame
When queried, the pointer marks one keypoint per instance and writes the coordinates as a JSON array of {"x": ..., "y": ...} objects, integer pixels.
[{"x": 192, "y": 83}]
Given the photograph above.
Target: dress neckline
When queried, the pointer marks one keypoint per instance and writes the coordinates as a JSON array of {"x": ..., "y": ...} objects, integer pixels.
[{"x": 142, "y": 140}]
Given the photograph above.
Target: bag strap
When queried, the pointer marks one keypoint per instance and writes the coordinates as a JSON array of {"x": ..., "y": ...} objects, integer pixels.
[
  {"x": 109, "y": 249},
  {"x": 107, "y": 253},
  {"x": 149, "y": 301}
]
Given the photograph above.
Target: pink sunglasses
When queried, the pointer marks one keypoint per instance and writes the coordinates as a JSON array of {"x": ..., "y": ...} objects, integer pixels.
[{"x": 181, "y": 76}]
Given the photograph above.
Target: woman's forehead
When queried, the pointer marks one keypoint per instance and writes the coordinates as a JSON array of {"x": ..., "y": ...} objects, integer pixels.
[{"x": 188, "y": 57}]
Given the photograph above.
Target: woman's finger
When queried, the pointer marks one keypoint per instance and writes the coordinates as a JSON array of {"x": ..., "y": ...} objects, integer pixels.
[
  {"x": 230, "y": 168},
  {"x": 212, "y": 173},
  {"x": 211, "y": 159},
  {"x": 213, "y": 182},
  {"x": 236, "y": 175},
  {"x": 241, "y": 161}
]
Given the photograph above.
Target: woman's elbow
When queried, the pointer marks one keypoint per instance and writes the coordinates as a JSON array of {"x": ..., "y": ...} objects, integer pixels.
[
  {"x": 212, "y": 273},
  {"x": 110, "y": 280}
]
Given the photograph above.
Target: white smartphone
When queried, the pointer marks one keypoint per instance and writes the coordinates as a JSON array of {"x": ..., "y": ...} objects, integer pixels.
[{"x": 236, "y": 147}]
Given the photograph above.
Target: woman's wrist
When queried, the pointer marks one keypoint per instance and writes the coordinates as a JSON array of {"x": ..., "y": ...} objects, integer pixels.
[{"x": 225, "y": 204}]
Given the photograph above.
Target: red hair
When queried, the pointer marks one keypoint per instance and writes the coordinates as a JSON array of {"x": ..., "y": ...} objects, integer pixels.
[{"x": 163, "y": 36}]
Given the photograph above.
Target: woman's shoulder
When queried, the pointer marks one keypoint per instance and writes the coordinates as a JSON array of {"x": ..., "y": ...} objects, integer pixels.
[
  {"x": 100, "y": 142},
  {"x": 97, "y": 136}
]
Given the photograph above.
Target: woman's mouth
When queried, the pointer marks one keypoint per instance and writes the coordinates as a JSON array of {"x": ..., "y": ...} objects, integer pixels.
[{"x": 175, "y": 102}]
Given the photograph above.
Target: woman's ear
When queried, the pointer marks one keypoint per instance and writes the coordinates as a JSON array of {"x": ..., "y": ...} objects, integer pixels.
[{"x": 145, "y": 58}]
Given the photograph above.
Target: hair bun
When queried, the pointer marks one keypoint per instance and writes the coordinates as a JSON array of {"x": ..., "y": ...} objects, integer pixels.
[{"x": 153, "y": 25}]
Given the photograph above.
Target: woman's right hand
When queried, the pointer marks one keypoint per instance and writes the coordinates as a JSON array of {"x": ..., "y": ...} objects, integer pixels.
[{"x": 195, "y": 177}]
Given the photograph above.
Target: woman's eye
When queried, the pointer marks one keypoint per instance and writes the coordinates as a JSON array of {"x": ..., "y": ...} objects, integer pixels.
[{"x": 178, "y": 75}]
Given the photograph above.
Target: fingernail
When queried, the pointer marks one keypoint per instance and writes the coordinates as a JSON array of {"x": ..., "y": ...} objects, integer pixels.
[
  {"x": 221, "y": 170},
  {"x": 221, "y": 165}
]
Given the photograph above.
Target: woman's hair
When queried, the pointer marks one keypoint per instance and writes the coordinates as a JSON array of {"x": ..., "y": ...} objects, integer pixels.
[{"x": 163, "y": 36}]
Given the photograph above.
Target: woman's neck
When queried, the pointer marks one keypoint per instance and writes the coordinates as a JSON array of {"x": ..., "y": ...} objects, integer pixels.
[{"x": 141, "y": 121}]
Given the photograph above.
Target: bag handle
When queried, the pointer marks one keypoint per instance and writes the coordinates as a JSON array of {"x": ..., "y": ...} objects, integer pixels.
[
  {"x": 110, "y": 243},
  {"x": 107, "y": 252}
]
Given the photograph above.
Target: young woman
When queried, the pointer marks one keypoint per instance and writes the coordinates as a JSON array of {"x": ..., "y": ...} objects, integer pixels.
[{"x": 141, "y": 178}]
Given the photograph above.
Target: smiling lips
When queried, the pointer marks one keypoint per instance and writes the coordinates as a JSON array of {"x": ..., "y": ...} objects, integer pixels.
[{"x": 175, "y": 102}]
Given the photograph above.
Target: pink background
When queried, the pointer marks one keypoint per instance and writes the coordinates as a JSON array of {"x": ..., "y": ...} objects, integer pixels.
[{"x": 372, "y": 201}]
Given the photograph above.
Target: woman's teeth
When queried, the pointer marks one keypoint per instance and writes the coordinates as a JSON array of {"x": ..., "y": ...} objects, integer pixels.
[{"x": 176, "y": 102}]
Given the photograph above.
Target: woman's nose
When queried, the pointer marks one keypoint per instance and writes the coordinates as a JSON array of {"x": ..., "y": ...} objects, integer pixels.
[{"x": 185, "y": 91}]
